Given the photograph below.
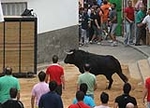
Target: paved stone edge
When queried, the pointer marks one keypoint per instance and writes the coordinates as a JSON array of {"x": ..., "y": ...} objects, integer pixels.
[
  {"x": 144, "y": 53},
  {"x": 138, "y": 49}
]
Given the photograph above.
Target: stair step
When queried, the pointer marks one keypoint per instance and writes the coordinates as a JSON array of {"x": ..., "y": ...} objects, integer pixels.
[
  {"x": 148, "y": 60},
  {"x": 144, "y": 68},
  {"x": 134, "y": 71}
]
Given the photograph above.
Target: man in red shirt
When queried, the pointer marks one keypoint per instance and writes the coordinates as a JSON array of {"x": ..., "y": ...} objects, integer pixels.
[
  {"x": 55, "y": 72},
  {"x": 146, "y": 92},
  {"x": 129, "y": 23},
  {"x": 80, "y": 104}
]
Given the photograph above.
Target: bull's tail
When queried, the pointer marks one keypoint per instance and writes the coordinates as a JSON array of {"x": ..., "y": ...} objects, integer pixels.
[
  {"x": 123, "y": 77},
  {"x": 119, "y": 71}
]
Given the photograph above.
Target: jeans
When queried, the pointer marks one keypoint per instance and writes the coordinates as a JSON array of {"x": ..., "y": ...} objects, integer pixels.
[
  {"x": 148, "y": 104},
  {"x": 84, "y": 36},
  {"x": 129, "y": 29},
  {"x": 141, "y": 35}
]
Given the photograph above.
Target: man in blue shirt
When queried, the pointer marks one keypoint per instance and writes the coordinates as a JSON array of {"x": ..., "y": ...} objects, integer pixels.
[
  {"x": 51, "y": 99},
  {"x": 87, "y": 99}
]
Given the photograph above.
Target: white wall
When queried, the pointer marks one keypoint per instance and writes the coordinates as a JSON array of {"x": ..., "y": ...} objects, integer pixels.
[{"x": 53, "y": 14}]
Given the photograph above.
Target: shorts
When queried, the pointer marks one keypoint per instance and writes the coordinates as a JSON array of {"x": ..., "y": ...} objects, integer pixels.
[
  {"x": 148, "y": 104},
  {"x": 97, "y": 31},
  {"x": 113, "y": 28}
]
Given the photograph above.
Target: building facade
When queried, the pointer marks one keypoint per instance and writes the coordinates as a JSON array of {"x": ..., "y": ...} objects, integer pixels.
[{"x": 57, "y": 24}]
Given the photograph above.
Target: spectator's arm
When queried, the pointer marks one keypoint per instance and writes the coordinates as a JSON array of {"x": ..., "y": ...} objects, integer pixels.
[
  {"x": 140, "y": 24},
  {"x": 78, "y": 87},
  {"x": 135, "y": 106},
  {"x": 18, "y": 95},
  {"x": 32, "y": 101},
  {"x": 63, "y": 81},
  {"x": 95, "y": 86},
  {"x": 115, "y": 17},
  {"x": 125, "y": 15},
  {"x": 46, "y": 78},
  {"x": 116, "y": 105},
  {"x": 18, "y": 88},
  {"x": 144, "y": 94},
  {"x": 96, "y": 22}
]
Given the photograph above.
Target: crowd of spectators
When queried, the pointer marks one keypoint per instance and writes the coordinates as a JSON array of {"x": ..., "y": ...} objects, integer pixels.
[
  {"x": 95, "y": 18},
  {"x": 46, "y": 94},
  {"x": 99, "y": 21}
]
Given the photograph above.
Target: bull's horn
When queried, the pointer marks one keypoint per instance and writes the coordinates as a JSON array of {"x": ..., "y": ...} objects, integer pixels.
[{"x": 68, "y": 52}]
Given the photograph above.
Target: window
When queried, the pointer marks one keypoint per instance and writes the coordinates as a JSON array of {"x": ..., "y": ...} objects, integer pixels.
[{"x": 14, "y": 9}]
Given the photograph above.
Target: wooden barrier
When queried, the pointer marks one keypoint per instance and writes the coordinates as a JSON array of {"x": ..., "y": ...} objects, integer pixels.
[{"x": 18, "y": 38}]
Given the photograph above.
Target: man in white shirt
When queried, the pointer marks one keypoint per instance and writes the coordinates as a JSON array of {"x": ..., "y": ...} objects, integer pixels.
[{"x": 146, "y": 21}]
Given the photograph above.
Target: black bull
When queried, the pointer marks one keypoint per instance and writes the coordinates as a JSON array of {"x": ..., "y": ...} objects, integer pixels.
[{"x": 100, "y": 64}]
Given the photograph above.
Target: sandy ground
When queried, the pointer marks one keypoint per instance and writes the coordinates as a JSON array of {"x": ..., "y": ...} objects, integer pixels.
[{"x": 71, "y": 74}]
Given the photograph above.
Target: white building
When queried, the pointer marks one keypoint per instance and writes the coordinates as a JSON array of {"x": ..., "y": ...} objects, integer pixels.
[{"x": 57, "y": 24}]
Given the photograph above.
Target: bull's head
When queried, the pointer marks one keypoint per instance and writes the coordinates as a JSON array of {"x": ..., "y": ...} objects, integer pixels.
[
  {"x": 70, "y": 57},
  {"x": 77, "y": 57}
]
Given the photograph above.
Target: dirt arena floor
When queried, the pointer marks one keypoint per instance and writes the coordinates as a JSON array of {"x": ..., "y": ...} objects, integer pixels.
[{"x": 71, "y": 74}]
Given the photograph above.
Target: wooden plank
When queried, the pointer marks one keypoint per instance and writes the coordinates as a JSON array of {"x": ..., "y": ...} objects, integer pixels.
[
  {"x": 12, "y": 36},
  {"x": 27, "y": 57},
  {"x": 12, "y": 32},
  {"x": 144, "y": 68},
  {"x": 1, "y": 60},
  {"x": 12, "y": 59},
  {"x": 27, "y": 36},
  {"x": 27, "y": 25},
  {"x": 27, "y": 32},
  {"x": 1, "y": 33},
  {"x": 12, "y": 25},
  {"x": 27, "y": 60},
  {"x": 16, "y": 49}
]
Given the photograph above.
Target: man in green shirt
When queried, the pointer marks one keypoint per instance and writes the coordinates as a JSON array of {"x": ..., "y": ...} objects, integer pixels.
[
  {"x": 89, "y": 79},
  {"x": 140, "y": 31},
  {"x": 6, "y": 83}
]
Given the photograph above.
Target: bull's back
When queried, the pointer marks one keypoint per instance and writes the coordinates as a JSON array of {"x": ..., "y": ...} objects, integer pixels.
[{"x": 104, "y": 64}]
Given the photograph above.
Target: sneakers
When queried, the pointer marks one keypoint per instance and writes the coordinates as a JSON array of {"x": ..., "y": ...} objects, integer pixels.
[
  {"x": 98, "y": 43},
  {"x": 114, "y": 43},
  {"x": 91, "y": 42},
  {"x": 137, "y": 44},
  {"x": 110, "y": 41}
]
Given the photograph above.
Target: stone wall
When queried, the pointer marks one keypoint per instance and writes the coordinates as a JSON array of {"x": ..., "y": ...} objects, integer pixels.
[{"x": 55, "y": 42}]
